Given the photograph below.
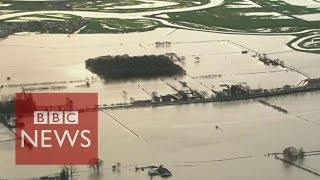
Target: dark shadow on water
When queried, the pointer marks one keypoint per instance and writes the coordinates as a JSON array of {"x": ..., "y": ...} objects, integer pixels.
[
  {"x": 135, "y": 79},
  {"x": 294, "y": 95},
  {"x": 300, "y": 161},
  {"x": 286, "y": 165},
  {"x": 94, "y": 176}
]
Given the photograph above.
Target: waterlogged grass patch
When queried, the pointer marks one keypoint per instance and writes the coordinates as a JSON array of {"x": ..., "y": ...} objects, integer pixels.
[
  {"x": 99, "y": 5},
  {"x": 36, "y": 5},
  {"x": 41, "y": 24},
  {"x": 260, "y": 15},
  {"x": 119, "y": 25},
  {"x": 37, "y": 18},
  {"x": 307, "y": 42}
]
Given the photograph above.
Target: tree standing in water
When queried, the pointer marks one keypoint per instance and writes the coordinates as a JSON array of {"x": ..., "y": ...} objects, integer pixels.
[
  {"x": 63, "y": 175},
  {"x": 67, "y": 172},
  {"x": 95, "y": 164}
]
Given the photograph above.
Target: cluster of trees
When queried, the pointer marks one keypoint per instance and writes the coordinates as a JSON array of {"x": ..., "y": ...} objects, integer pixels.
[
  {"x": 124, "y": 67},
  {"x": 45, "y": 26},
  {"x": 68, "y": 171},
  {"x": 7, "y": 107}
]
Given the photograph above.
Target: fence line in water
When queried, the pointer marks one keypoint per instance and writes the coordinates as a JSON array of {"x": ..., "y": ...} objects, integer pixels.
[{"x": 94, "y": 79}]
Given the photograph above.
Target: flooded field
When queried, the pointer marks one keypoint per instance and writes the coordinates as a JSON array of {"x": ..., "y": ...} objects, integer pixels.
[
  {"x": 60, "y": 60},
  {"x": 230, "y": 16},
  {"x": 182, "y": 138}
]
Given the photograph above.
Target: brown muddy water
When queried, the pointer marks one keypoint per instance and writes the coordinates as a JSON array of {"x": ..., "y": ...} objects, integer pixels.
[{"x": 183, "y": 138}]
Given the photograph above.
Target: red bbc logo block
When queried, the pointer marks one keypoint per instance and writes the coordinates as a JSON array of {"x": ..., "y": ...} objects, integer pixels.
[{"x": 60, "y": 128}]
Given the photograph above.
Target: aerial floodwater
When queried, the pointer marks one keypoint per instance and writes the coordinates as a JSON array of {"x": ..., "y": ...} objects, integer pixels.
[{"x": 228, "y": 50}]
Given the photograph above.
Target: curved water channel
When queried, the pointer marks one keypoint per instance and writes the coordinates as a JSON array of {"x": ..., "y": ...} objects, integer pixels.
[
  {"x": 297, "y": 45},
  {"x": 156, "y": 13},
  {"x": 134, "y": 15}
]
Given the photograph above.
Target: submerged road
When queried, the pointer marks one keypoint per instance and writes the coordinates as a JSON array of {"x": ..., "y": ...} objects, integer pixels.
[{"x": 221, "y": 99}]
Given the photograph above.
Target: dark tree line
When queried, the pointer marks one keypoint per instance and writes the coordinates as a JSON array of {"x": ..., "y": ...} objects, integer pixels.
[
  {"x": 7, "y": 107},
  {"x": 46, "y": 26},
  {"x": 124, "y": 67}
]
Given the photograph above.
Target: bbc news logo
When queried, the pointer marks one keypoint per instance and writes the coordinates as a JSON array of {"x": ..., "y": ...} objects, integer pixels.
[
  {"x": 55, "y": 117},
  {"x": 59, "y": 128}
]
